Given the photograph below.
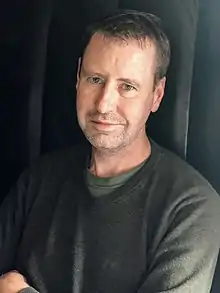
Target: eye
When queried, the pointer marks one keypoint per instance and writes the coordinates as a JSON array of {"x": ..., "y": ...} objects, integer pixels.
[
  {"x": 128, "y": 87},
  {"x": 128, "y": 91},
  {"x": 94, "y": 80}
]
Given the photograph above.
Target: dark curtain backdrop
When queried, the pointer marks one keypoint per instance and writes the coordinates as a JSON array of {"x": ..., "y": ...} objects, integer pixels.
[
  {"x": 24, "y": 30},
  {"x": 39, "y": 47},
  {"x": 204, "y": 119}
]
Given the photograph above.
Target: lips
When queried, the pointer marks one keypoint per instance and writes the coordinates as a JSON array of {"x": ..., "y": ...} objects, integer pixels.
[
  {"x": 104, "y": 123},
  {"x": 105, "y": 126}
]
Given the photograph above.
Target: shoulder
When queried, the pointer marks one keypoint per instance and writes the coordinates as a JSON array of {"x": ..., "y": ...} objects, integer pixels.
[
  {"x": 62, "y": 159},
  {"x": 181, "y": 195},
  {"x": 55, "y": 167},
  {"x": 50, "y": 172},
  {"x": 180, "y": 185},
  {"x": 177, "y": 171}
]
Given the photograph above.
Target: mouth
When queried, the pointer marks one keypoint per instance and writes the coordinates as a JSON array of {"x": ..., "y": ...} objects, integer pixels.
[{"x": 104, "y": 125}]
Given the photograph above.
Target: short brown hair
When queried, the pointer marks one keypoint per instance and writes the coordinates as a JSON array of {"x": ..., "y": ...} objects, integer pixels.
[{"x": 132, "y": 24}]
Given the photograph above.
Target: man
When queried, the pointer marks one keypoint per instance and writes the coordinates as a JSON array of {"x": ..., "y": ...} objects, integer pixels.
[{"x": 122, "y": 216}]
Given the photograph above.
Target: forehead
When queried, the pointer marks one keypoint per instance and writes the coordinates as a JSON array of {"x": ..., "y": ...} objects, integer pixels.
[{"x": 117, "y": 57}]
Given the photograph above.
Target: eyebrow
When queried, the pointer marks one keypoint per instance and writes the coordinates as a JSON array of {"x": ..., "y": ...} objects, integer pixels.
[{"x": 126, "y": 80}]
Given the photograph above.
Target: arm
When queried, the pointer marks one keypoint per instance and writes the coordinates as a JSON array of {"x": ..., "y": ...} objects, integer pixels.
[
  {"x": 185, "y": 258},
  {"x": 12, "y": 220},
  {"x": 13, "y": 216}
]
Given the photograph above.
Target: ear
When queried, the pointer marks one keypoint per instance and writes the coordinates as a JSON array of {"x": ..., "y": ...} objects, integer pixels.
[
  {"x": 158, "y": 94},
  {"x": 78, "y": 72}
]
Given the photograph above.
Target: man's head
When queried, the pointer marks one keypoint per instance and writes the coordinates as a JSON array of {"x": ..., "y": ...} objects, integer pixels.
[{"x": 121, "y": 78}]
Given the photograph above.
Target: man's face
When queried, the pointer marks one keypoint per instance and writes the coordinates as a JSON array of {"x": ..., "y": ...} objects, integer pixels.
[{"x": 115, "y": 91}]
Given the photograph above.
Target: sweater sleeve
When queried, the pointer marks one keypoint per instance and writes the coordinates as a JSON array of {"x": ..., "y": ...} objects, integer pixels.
[
  {"x": 28, "y": 290},
  {"x": 184, "y": 259},
  {"x": 12, "y": 221}
]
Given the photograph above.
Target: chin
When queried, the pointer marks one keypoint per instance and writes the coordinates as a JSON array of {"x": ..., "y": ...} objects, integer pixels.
[
  {"x": 106, "y": 145},
  {"x": 103, "y": 145},
  {"x": 103, "y": 141}
]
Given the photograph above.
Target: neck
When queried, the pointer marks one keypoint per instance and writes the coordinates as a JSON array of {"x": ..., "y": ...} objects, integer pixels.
[{"x": 112, "y": 163}]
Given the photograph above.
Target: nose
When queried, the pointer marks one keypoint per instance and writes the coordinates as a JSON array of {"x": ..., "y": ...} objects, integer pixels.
[{"x": 107, "y": 99}]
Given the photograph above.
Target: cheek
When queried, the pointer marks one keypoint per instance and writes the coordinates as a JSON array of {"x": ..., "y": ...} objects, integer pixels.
[
  {"x": 136, "y": 112},
  {"x": 84, "y": 99}
]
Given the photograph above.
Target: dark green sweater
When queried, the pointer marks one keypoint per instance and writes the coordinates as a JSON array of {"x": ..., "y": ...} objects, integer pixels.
[{"x": 159, "y": 232}]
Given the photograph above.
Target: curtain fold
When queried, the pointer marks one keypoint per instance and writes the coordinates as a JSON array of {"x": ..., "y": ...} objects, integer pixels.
[
  {"x": 23, "y": 27},
  {"x": 41, "y": 17}
]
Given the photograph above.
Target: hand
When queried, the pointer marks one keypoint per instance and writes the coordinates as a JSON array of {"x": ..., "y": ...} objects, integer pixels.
[{"x": 12, "y": 282}]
